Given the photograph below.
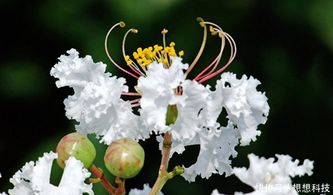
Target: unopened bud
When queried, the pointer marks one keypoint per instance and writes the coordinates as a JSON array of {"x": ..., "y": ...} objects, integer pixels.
[
  {"x": 77, "y": 145},
  {"x": 124, "y": 158}
]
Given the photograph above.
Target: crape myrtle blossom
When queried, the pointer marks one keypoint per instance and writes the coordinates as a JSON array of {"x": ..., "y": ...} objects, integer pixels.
[
  {"x": 34, "y": 178},
  {"x": 96, "y": 102},
  {"x": 246, "y": 107},
  {"x": 275, "y": 175},
  {"x": 163, "y": 81},
  {"x": 167, "y": 102},
  {"x": 270, "y": 176}
]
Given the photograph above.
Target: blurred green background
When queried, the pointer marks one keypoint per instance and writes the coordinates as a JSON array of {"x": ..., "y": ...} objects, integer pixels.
[{"x": 286, "y": 44}]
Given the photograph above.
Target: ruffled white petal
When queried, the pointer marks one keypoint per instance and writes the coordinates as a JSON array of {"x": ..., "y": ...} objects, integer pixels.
[
  {"x": 21, "y": 180},
  {"x": 158, "y": 91},
  {"x": 274, "y": 177},
  {"x": 74, "y": 175},
  {"x": 190, "y": 119},
  {"x": 96, "y": 102},
  {"x": 145, "y": 191},
  {"x": 34, "y": 178},
  {"x": 217, "y": 146},
  {"x": 246, "y": 107}
]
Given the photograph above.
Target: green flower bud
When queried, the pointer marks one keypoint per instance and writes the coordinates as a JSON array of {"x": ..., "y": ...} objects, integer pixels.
[
  {"x": 171, "y": 115},
  {"x": 77, "y": 145},
  {"x": 124, "y": 158}
]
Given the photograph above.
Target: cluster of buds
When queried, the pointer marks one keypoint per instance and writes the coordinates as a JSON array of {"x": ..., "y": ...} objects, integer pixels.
[{"x": 124, "y": 158}]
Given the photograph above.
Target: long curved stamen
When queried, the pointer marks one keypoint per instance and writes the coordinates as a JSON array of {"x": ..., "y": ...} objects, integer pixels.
[
  {"x": 233, "y": 51},
  {"x": 135, "y": 101},
  {"x": 129, "y": 62},
  {"x": 216, "y": 61},
  {"x": 218, "y": 30},
  {"x": 202, "y": 23},
  {"x": 131, "y": 94},
  {"x": 135, "y": 105},
  {"x": 122, "y": 25}
]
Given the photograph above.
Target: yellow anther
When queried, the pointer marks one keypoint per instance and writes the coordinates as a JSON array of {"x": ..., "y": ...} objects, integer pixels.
[
  {"x": 201, "y": 21},
  {"x": 181, "y": 53},
  {"x": 128, "y": 60},
  {"x": 164, "y": 31},
  {"x": 157, "y": 53},
  {"x": 212, "y": 30},
  {"x": 135, "y": 55},
  {"x": 221, "y": 34},
  {"x": 133, "y": 30},
  {"x": 145, "y": 50},
  {"x": 122, "y": 24}
]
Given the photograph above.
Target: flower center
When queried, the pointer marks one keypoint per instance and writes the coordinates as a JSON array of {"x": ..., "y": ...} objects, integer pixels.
[
  {"x": 156, "y": 53},
  {"x": 163, "y": 54}
]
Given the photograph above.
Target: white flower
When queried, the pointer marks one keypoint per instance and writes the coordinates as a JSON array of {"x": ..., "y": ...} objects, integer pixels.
[
  {"x": 198, "y": 110},
  {"x": 246, "y": 107},
  {"x": 145, "y": 191},
  {"x": 217, "y": 146},
  {"x": 272, "y": 178},
  {"x": 96, "y": 103},
  {"x": 34, "y": 178},
  {"x": 158, "y": 91}
]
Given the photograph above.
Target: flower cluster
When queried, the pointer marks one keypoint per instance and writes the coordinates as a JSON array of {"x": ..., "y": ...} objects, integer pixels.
[
  {"x": 98, "y": 107},
  {"x": 164, "y": 102}
]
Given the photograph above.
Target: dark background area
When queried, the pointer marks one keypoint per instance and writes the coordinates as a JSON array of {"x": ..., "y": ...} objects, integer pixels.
[{"x": 287, "y": 45}]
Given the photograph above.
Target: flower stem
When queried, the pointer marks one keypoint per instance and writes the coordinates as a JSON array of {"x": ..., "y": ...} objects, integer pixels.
[
  {"x": 99, "y": 175},
  {"x": 121, "y": 186},
  {"x": 163, "y": 175}
]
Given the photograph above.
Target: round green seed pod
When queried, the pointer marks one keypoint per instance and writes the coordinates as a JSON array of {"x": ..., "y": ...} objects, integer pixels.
[
  {"x": 124, "y": 158},
  {"x": 77, "y": 145}
]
